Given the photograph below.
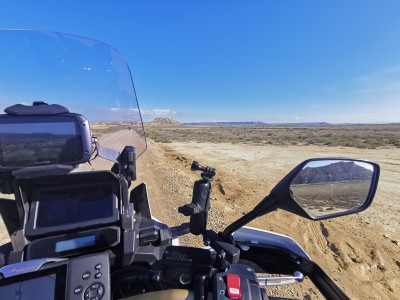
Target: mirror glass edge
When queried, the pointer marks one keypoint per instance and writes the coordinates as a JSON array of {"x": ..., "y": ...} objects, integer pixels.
[{"x": 367, "y": 201}]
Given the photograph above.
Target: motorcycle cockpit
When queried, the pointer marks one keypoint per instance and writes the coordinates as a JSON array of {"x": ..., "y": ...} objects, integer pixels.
[
  {"x": 58, "y": 208},
  {"x": 62, "y": 214},
  {"x": 70, "y": 214}
]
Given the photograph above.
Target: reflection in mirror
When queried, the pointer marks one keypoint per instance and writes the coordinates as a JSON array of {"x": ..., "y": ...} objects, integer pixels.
[{"x": 325, "y": 187}]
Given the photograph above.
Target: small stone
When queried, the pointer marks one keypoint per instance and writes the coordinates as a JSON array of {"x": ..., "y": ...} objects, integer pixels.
[
  {"x": 382, "y": 267},
  {"x": 354, "y": 258},
  {"x": 365, "y": 267},
  {"x": 398, "y": 263}
]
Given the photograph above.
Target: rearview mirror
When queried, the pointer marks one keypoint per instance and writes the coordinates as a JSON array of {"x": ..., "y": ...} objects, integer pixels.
[
  {"x": 331, "y": 187},
  {"x": 317, "y": 189}
]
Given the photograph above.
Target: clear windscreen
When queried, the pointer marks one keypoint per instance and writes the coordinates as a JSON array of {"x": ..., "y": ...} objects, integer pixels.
[{"x": 86, "y": 76}]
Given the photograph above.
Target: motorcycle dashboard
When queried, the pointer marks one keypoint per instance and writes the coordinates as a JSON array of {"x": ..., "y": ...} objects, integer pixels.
[{"x": 71, "y": 206}]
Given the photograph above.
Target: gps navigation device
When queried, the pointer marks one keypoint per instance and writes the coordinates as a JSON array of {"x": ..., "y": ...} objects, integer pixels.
[{"x": 39, "y": 140}]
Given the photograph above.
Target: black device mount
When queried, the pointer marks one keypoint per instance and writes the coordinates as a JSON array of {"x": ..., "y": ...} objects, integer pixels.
[
  {"x": 198, "y": 209},
  {"x": 198, "y": 212},
  {"x": 126, "y": 164}
]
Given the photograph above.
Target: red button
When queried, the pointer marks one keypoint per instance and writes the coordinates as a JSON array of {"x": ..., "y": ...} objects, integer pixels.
[{"x": 233, "y": 286}]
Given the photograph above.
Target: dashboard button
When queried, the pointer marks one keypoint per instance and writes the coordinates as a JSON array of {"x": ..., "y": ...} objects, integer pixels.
[
  {"x": 86, "y": 275},
  {"x": 94, "y": 291},
  {"x": 78, "y": 290},
  {"x": 100, "y": 291}
]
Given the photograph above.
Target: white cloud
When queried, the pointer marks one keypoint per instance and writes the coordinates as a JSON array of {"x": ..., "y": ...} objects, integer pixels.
[
  {"x": 145, "y": 112},
  {"x": 157, "y": 112},
  {"x": 377, "y": 81},
  {"x": 378, "y": 74},
  {"x": 116, "y": 113}
]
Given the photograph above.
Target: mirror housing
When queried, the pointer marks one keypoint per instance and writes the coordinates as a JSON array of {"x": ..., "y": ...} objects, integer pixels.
[
  {"x": 323, "y": 188},
  {"x": 349, "y": 183}
]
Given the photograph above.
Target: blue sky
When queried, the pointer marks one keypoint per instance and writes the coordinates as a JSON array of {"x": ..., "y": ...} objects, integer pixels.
[{"x": 271, "y": 61}]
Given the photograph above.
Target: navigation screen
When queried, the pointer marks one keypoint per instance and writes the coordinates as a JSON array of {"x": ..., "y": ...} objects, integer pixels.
[
  {"x": 37, "y": 288},
  {"x": 36, "y": 144},
  {"x": 60, "y": 207}
]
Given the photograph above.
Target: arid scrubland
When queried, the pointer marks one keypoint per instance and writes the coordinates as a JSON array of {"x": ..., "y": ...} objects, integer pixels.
[{"x": 358, "y": 136}]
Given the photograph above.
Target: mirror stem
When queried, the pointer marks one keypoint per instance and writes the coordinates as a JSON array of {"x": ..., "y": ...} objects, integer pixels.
[{"x": 267, "y": 205}]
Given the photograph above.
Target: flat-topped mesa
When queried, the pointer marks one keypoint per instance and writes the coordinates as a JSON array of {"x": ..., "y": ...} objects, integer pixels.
[{"x": 165, "y": 121}]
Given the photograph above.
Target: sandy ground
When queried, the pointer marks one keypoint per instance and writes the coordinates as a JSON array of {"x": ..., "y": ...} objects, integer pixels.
[{"x": 360, "y": 252}]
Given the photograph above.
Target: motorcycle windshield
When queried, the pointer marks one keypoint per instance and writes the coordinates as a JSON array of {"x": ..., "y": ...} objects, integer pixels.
[{"x": 86, "y": 76}]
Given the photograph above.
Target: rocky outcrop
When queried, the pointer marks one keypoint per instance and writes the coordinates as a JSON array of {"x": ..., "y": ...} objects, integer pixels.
[
  {"x": 340, "y": 171},
  {"x": 164, "y": 121}
]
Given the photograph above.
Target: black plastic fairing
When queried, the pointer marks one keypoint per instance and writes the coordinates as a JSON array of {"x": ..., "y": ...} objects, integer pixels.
[
  {"x": 36, "y": 109},
  {"x": 139, "y": 198},
  {"x": 9, "y": 215}
]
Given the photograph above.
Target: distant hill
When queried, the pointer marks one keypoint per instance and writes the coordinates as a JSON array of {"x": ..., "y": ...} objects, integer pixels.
[
  {"x": 164, "y": 121},
  {"x": 258, "y": 123},
  {"x": 300, "y": 124},
  {"x": 340, "y": 171}
]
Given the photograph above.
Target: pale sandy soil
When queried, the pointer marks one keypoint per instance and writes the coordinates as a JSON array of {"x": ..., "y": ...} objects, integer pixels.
[{"x": 360, "y": 252}]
